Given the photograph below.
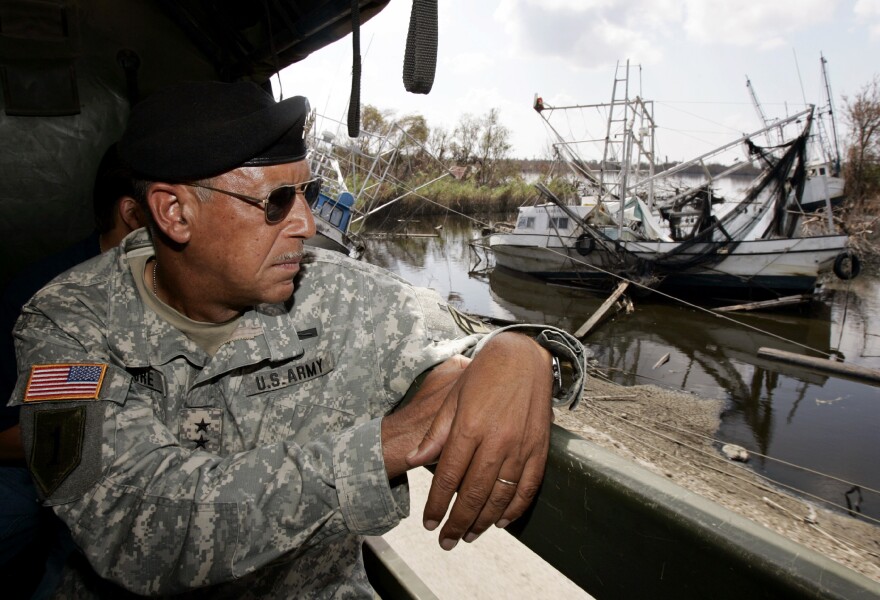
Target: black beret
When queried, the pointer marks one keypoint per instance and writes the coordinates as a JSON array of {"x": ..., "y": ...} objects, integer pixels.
[{"x": 201, "y": 129}]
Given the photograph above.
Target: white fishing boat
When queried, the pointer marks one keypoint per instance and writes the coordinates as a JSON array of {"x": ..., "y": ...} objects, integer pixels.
[
  {"x": 548, "y": 243},
  {"x": 636, "y": 223},
  {"x": 822, "y": 187}
]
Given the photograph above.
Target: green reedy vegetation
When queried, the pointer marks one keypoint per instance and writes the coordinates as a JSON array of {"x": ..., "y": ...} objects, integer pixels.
[{"x": 465, "y": 196}]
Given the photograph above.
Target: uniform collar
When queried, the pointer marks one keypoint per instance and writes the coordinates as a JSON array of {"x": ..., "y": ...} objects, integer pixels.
[
  {"x": 140, "y": 338},
  {"x": 266, "y": 333}
]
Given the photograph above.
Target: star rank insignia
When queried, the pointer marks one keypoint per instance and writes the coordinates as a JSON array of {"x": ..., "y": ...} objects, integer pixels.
[{"x": 201, "y": 429}]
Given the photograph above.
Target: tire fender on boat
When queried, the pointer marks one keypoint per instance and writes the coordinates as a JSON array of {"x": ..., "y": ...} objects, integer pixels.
[
  {"x": 584, "y": 244},
  {"x": 855, "y": 265}
]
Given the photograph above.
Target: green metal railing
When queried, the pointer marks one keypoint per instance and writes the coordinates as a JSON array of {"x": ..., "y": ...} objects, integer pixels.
[{"x": 622, "y": 532}]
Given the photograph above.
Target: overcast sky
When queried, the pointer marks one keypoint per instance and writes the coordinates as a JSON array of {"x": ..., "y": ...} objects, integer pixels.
[{"x": 694, "y": 56}]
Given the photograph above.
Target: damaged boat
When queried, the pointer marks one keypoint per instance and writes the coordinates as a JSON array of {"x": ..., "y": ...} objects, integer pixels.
[{"x": 636, "y": 223}]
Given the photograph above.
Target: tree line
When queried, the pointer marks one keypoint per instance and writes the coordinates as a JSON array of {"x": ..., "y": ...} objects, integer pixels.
[
  {"x": 480, "y": 143},
  {"x": 862, "y": 167}
]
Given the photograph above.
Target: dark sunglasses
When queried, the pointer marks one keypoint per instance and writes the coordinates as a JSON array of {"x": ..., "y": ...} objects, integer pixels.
[{"x": 277, "y": 204}]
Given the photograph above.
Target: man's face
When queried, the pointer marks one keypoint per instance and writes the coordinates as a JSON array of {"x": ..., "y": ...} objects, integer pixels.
[{"x": 247, "y": 260}]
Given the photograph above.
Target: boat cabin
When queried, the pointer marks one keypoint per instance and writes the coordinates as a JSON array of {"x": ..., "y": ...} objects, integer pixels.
[
  {"x": 551, "y": 220},
  {"x": 336, "y": 212},
  {"x": 545, "y": 217}
]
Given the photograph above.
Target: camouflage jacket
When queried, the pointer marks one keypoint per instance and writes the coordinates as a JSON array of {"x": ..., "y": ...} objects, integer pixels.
[{"x": 253, "y": 473}]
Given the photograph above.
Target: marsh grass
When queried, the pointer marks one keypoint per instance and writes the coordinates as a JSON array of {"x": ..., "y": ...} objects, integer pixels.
[{"x": 463, "y": 196}]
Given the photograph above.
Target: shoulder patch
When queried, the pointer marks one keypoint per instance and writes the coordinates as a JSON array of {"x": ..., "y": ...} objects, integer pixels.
[
  {"x": 75, "y": 381},
  {"x": 57, "y": 448},
  {"x": 470, "y": 325}
]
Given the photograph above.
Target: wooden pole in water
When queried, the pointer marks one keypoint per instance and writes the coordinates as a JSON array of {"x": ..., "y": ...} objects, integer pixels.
[
  {"x": 785, "y": 301},
  {"x": 822, "y": 364},
  {"x": 600, "y": 312}
]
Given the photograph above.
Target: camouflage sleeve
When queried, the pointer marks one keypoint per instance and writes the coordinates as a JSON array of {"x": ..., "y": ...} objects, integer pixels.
[
  {"x": 416, "y": 328},
  {"x": 453, "y": 332},
  {"x": 160, "y": 519}
]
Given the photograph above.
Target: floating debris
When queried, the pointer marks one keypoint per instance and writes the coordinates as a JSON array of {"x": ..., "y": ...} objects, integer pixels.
[
  {"x": 734, "y": 452},
  {"x": 663, "y": 360},
  {"x": 819, "y": 401}
]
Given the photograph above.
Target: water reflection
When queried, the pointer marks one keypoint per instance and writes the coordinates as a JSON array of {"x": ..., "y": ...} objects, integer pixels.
[
  {"x": 708, "y": 354},
  {"x": 822, "y": 422}
]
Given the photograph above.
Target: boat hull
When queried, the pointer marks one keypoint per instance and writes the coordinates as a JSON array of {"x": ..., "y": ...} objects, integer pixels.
[
  {"x": 330, "y": 238},
  {"x": 751, "y": 268}
]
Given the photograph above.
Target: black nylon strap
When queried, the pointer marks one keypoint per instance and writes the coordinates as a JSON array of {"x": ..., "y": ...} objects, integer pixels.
[
  {"x": 420, "y": 60},
  {"x": 354, "y": 103}
]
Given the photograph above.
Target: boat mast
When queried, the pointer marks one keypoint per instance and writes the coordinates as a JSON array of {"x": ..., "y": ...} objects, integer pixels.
[
  {"x": 829, "y": 98},
  {"x": 758, "y": 109},
  {"x": 628, "y": 139},
  {"x": 625, "y": 158},
  {"x": 621, "y": 158},
  {"x": 642, "y": 136}
]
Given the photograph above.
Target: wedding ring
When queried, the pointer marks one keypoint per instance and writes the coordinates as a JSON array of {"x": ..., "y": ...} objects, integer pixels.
[{"x": 505, "y": 481}]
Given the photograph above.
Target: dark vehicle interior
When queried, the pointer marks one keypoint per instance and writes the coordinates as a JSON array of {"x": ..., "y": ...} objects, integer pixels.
[{"x": 71, "y": 69}]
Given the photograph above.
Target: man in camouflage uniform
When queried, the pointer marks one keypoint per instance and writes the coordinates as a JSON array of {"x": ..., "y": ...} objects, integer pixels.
[{"x": 203, "y": 428}]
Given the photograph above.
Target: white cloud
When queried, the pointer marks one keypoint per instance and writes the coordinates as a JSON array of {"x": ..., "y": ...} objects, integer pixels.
[
  {"x": 570, "y": 5},
  {"x": 586, "y": 34},
  {"x": 869, "y": 10},
  {"x": 469, "y": 62},
  {"x": 595, "y": 33},
  {"x": 752, "y": 23}
]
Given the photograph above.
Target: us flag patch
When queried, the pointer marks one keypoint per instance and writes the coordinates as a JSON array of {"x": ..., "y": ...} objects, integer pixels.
[{"x": 64, "y": 382}]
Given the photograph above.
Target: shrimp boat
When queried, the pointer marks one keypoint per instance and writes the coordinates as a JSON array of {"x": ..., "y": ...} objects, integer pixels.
[
  {"x": 356, "y": 175},
  {"x": 612, "y": 527},
  {"x": 825, "y": 186},
  {"x": 333, "y": 208},
  {"x": 641, "y": 223}
]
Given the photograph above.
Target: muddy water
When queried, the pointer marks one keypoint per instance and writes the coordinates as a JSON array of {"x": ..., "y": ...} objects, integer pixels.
[{"x": 820, "y": 422}]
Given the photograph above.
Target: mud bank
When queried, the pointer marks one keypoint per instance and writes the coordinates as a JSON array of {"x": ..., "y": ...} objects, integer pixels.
[{"x": 670, "y": 433}]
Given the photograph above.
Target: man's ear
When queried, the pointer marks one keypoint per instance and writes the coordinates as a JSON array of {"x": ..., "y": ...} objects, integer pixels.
[
  {"x": 169, "y": 205},
  {"x": 130, "y": 213}
]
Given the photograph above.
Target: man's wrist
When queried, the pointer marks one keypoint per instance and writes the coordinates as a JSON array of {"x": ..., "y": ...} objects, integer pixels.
[{"x": 566, "y": 348}]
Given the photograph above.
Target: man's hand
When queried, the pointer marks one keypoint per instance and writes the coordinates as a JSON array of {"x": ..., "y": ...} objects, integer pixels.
[
  {"x": 494, "y": 425},
  {"x": 403, "y": 429}
]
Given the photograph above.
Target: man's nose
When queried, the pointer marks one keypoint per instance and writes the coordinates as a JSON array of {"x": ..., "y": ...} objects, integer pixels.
[{"x": 300, "y": 222}]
